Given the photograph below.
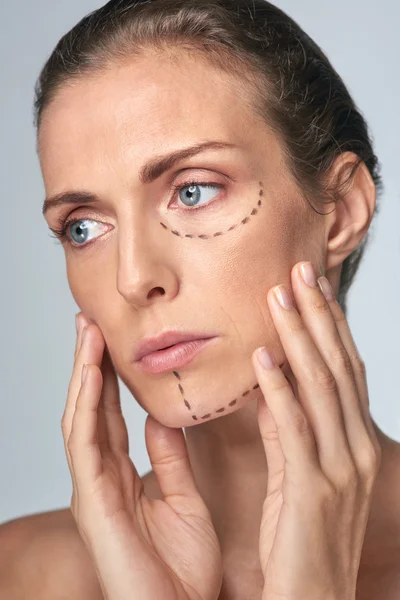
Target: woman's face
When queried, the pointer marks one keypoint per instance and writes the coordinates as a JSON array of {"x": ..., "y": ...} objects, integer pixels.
[{"x": 139, "y": 267}]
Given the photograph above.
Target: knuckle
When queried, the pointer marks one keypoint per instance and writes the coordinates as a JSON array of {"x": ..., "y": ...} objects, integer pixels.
[
  {"x": 369, "y": 462},
  {"x": 321, "y": 378},
  {"x": 359, "y": 366},
  {"x": 64, "y": 425},
  {"x": 319, "y": 306},
  {"x": 347, "y": 478},
  {"x": 340, "y": 317},
  {"x": 325, "y": 491},
  {"x": 340, "y": 360},
  {"x": 282, "y": 385},
  {"x": 70, "y": 444},
  {"x": 170, "y": 462},
  {"x": 300, "y": 423},
  {"x": 296, "y": 325}
]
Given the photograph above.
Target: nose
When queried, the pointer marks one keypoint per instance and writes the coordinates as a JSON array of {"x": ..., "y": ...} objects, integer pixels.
[{"x": 145, "y": 271}]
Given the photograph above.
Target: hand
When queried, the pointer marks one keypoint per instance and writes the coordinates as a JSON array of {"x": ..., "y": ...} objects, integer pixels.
[
  {"x": 141, "y": 548},
  {"x": 322, "y": 453}
]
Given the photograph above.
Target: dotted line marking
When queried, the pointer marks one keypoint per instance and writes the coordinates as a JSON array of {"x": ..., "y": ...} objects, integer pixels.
[
  {"x": 219, "y": 410},
  {"x": 217, "y": 233}
]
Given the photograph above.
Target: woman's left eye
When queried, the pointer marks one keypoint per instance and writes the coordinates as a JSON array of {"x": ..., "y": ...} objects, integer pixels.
[{"x": 190, "y": 195}]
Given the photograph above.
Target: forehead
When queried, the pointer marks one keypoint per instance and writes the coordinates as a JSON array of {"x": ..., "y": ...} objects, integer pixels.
[{"x": 132, "y": 111}]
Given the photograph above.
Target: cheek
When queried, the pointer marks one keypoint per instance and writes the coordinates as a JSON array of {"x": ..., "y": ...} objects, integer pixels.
[
  {"x": 91, "y": 288},
  {"x": 80, "y": 286},
  {"x": 233, "y": 276},
  {"x": 240, "y": 269}
]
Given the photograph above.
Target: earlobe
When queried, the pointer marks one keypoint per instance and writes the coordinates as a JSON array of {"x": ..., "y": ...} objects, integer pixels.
[{"x": 348, "y": 224}]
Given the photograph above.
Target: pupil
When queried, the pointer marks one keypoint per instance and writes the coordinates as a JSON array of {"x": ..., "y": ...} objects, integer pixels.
[{"x": 190, "y": 195}]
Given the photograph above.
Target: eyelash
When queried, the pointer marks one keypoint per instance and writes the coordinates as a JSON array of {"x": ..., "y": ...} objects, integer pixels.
[{"x": 60, "y": 233}]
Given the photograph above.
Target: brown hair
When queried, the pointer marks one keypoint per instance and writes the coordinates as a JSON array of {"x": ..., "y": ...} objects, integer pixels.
[{"x": 290, "y": 82}]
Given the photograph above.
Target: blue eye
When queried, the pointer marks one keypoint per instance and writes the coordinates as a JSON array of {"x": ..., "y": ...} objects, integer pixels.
[
  {"x": 192, "y": 195},
  {"x": 82, "y": 226}
]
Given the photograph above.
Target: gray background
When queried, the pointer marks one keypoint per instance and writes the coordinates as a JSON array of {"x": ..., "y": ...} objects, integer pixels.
[{"x": 37, "y": 310}]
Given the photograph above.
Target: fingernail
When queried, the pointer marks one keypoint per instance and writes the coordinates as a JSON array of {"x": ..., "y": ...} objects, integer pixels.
[
  {"x": 308, "y": 274},
  {"x": 77, "y": 320},
  {"x": 283, "y": 297},
  {"x": 265, "y": 359},
  {"x": 84, "y": 370},
  {"x": 326, "y": 288}
]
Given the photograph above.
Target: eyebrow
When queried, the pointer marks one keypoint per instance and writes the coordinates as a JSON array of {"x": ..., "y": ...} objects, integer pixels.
[{"x": 147, "y": 174}]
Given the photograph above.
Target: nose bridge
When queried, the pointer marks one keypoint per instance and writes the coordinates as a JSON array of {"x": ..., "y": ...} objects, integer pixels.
[{"x": 140, "y": 266}]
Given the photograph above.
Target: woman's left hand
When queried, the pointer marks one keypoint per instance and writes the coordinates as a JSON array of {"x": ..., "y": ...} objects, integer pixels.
[{"x": 322, "y": 453}]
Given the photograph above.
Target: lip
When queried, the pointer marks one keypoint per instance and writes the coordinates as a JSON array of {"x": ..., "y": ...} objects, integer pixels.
[
  {"x": 167, "y": 338},
  {"x": 172, "y": 358}
]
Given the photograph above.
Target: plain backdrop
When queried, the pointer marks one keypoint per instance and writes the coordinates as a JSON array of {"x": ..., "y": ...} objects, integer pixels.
[{"x": 37, "y": 309}]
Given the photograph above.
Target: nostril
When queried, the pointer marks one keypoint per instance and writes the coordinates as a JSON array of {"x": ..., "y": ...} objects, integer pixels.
[{"x": 158, "y": 291}]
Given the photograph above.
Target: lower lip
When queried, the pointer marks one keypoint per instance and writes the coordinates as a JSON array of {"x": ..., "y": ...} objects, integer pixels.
[{"x": 177, "y": 356}]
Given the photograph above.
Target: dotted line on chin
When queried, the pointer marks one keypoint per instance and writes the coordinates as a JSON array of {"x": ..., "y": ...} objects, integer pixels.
[{"x": 219, "y": 410}]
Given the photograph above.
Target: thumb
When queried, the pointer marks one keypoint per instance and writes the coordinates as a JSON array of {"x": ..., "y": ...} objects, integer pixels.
[{"x": 169, "y": 458}]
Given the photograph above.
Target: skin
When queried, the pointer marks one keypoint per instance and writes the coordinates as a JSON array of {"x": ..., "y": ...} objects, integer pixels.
[{"x": 136, "y": 278}]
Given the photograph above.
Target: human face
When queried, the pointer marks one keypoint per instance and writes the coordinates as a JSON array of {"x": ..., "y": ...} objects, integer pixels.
[{"x": 132, "y": 275}]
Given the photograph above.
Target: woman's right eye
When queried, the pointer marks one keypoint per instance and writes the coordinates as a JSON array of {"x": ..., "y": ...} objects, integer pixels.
[
  {"x": 76, "y": 231},
  {"x": 81, "y": 229}
]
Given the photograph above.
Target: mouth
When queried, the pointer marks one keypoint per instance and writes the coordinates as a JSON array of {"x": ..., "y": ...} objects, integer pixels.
[{"x": 173, "y": 357}]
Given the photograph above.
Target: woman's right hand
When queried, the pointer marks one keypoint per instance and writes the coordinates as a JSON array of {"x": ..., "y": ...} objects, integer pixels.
[{"x": 141, "y": 548}]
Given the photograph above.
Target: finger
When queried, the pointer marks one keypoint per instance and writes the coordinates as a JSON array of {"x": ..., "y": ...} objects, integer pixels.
[
  {"x": 318, "y": 318},
  {"x": 90, "y": 351},
  {"x": 358, "y": 364},
  {"x": 169, "y": 458},
  {"x": 110, "y": 403},
  {"x": 272, "y": 445},
  {"x": 66, "y": 421},
  {"x": 317, "y": 388},
  {"x": 81, "y": 323},
  {"x": 83, "y": 442},
  {"x": 295, "y": 436}
]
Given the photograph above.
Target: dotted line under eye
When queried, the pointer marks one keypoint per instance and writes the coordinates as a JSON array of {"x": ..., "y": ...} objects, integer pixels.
[
  {"x": 218, "y": 233},
  {"x": 219, "y": 410}
]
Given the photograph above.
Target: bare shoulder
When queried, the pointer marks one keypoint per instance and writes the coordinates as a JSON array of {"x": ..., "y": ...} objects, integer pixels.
[{"x": 42, "y": 556}]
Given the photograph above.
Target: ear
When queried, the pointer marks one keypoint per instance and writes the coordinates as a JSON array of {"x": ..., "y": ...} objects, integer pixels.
[{"x": 347, "y": 225}]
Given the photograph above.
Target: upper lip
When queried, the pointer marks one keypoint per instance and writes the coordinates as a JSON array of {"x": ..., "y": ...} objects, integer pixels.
[{"x": 168, "y": 338}]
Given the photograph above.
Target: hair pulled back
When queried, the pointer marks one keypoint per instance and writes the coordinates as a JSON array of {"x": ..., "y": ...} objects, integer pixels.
[{"x": 291, "y": 83}]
